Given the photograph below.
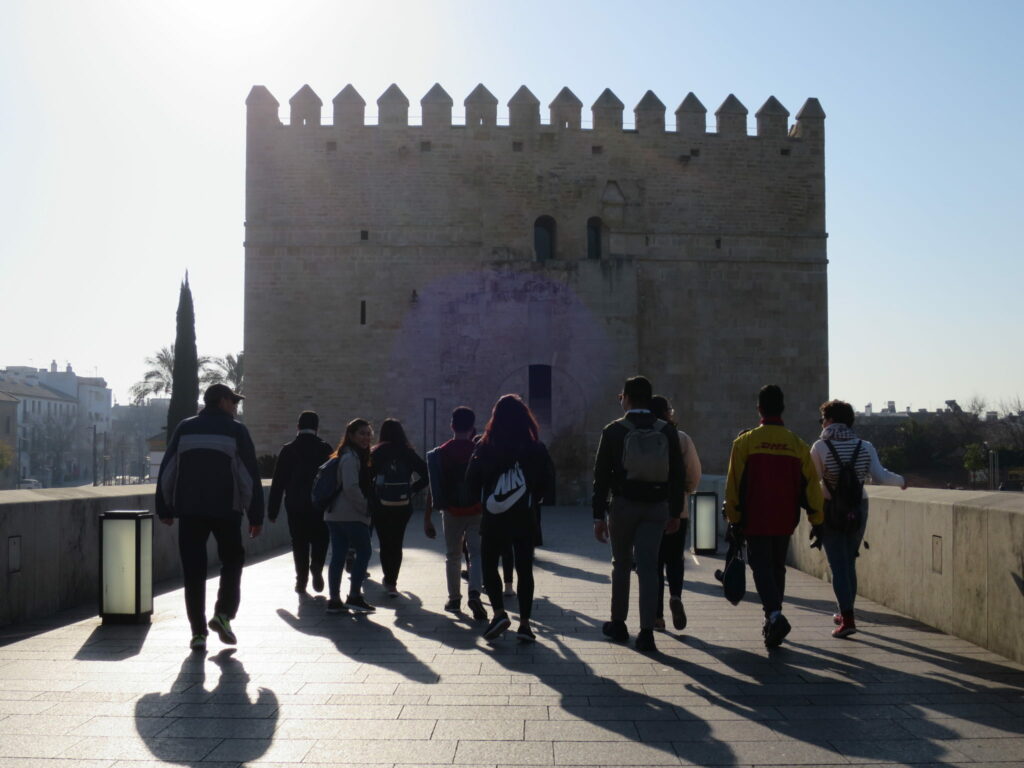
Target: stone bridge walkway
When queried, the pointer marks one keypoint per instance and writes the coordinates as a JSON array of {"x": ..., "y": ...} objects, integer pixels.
[{"x": 411, "y": 685}]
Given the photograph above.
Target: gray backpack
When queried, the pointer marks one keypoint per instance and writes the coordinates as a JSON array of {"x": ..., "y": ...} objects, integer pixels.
[{"x": 645, "y": 452}]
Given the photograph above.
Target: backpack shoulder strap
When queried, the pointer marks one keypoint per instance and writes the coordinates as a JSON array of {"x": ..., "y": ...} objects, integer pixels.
[
  {"x": 659, "y": 424},
  {"x": 629, "y": 425},
  {"x": 856, "y": 452},
  {"x": 835, "y": 453}
]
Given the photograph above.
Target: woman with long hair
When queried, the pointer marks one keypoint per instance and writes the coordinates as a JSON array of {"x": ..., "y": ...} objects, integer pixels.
[
  {"x": 671, "y": 560},
  {"x": 394, "y": 461},
  {"x": 512, "y": 474},
  {"x": 348, "y": 518}
]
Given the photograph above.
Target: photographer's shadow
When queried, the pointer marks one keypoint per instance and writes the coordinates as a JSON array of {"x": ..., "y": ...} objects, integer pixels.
[{"x": 220, "y": 724}]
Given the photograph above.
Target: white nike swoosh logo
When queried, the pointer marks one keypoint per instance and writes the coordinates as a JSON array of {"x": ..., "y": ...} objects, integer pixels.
[{"x": 498, "y": 504}]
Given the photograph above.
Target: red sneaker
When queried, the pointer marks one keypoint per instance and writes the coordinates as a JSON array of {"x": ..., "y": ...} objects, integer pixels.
[{"x": 846, "y": 627}]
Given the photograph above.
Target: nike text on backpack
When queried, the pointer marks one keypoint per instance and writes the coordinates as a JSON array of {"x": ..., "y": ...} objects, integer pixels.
[
  {"x": 509, "y": 490},
  {"x": 645, "y": 452},
  {"x": 843, "y": 510},
  {"x": 326, "y": 485},
  {"x": 393, "y": 487}
]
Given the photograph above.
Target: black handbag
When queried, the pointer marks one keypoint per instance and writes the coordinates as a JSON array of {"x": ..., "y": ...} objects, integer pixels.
[{"x": 734, "y": 577}]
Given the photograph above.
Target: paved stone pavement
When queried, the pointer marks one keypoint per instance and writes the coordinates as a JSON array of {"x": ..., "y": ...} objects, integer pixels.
[{"x": 412, "y": 685}]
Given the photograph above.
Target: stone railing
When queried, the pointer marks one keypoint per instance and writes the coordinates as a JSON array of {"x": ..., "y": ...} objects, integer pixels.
[
  {"x": 49, "y": 546},
  {"x": 951, "y": 559}
]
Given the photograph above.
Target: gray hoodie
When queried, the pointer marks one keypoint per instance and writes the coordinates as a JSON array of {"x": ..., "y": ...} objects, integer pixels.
[{"x": 350, "y": 506}]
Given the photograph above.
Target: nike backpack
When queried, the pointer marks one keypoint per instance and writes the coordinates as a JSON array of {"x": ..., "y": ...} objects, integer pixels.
[{"x": 509, "y": 492}]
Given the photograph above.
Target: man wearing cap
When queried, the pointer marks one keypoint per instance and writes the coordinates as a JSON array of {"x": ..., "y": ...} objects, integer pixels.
[
  {"x": 208, "y": 478},
  {"x": 296, "y": 467}
]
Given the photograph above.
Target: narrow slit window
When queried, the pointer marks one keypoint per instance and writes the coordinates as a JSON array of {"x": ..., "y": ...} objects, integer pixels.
[
  {"x": 544, "y": 238},
  {"x": 594, "y": 237},
  {"x": 362, "y": 312}
]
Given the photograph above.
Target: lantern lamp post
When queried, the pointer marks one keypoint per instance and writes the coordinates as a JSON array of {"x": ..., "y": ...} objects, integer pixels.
[
  {"x": 705, "y": 522},
  {"x": 126, "y": 567}
]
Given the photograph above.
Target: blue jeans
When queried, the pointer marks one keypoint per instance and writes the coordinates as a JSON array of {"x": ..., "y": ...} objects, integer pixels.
[
  {"x": 841, "y": 550},
  {"x": 345, "y": 535}
]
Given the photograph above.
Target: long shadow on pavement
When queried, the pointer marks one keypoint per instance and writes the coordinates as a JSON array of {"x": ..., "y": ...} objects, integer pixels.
[
  {"x": 222, "y": 724},
  {"x": 359, "y": 638},
  {"x": 623, "y": 714}
]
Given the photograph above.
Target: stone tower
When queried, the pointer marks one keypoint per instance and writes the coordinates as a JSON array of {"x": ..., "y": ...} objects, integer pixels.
[{"x": 402, "y": 270}]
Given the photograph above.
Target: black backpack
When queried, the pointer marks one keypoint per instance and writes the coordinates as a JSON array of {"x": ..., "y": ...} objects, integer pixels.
[
  {"x": 843, "y": 510},
  {"x": 509, "y": 492},
  {"x": 393, "y": 483}
]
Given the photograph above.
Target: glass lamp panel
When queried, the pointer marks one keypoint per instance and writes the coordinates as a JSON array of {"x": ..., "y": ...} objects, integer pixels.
[
  {"x": 118, "y": 566},
  {"x": 705, "y": 509}
]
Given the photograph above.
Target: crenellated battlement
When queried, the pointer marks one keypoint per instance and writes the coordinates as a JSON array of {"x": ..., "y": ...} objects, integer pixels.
[{"x": 565, "y": 113}]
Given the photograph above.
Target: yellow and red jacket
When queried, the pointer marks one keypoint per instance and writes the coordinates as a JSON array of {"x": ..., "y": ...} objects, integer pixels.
[{"x": 771, "y": 476}]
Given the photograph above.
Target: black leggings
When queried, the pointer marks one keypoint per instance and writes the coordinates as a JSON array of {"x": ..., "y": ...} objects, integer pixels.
[
  {"x": 491, "y": 548},
  {"x": 390, "y": 523}
]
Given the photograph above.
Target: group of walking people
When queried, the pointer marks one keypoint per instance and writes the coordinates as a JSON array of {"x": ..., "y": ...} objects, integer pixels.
[{"x": 489, "y": 489}]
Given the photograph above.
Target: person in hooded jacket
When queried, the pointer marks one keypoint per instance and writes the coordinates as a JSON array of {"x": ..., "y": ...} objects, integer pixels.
[
  {"x": 512, "y": 473},
  {"x": 296, "y": 467},
  {"x": 394, "y": 462}
]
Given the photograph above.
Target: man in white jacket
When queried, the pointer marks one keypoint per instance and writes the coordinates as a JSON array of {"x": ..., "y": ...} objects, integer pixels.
[{"x": 838, "y": 446}]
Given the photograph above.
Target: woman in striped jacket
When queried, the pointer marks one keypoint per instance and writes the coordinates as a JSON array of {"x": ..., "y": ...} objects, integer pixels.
[{"x": 839, "y": 441}]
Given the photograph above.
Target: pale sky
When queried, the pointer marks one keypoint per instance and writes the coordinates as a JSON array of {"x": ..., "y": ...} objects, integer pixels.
[{"x": 122, "y": 143}]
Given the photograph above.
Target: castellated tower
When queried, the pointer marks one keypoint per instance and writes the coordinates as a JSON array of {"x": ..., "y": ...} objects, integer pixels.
[{"x": 402, "y": 270}]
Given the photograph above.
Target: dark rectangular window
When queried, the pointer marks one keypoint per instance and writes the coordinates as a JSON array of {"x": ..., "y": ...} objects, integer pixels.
[
  {"x": 596, "y": 149},
  {"x": 364, "y": 234},
  {"x": 332, "y": 146},
  {"x": 517, "y": 146},
  {"x": 362, "y": 313},
  {"x": 540, "y": 392},
  {"x": 425, "y": 146}
]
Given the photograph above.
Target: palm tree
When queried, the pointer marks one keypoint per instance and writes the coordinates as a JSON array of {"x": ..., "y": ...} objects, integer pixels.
[
  {"x": 159, "y": 379},
  {"x": 228, "y": 370}
]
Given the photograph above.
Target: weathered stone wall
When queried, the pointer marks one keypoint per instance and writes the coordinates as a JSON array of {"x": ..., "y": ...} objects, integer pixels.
[
  {"x": 952, "y": 559},
  {"x": 712, "y": 278}
]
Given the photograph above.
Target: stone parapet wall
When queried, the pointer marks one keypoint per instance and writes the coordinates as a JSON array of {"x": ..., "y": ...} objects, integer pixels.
[
  {"x": 951, "y": 559},
  {"x": 57, "y": 532}
]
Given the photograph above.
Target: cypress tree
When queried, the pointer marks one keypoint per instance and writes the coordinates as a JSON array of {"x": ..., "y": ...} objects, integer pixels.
[{"x": 185, "y": 393}]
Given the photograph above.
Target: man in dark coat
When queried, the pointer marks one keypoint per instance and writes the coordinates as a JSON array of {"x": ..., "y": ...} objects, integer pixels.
[
  {"x": 297, "y": 464},
  {"x": 208, "y": 478}
]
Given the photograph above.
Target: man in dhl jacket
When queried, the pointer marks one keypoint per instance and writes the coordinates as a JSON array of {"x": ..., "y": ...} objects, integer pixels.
[{"x": 771, "y": 477}]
